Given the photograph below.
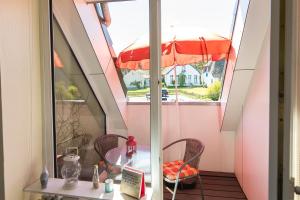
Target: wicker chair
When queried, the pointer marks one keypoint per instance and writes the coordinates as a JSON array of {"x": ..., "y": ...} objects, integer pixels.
[
  {"x": 193, "y": 151},
  {"x": 105, "y": 143}
]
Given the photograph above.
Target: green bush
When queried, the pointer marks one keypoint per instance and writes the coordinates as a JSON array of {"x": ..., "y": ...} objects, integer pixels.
[
  {"x": 214, "y": 90},
  {"x": 73, "y": 92},
  {"x": 182, "y": 79},
  {"x": 137, "y": 84},
  {"x": 70, "y": 92}
]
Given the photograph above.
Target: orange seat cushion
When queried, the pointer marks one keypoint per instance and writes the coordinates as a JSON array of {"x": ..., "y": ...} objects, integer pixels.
[{"x": 170, "y": 170}]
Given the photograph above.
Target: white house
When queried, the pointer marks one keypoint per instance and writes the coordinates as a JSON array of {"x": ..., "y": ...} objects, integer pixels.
[
  {"x": 192, "y": 76},
  {"x": 207, "y": 76},
  {"x": 136, "y": 77},
  {"x": 140, "y": 78}
]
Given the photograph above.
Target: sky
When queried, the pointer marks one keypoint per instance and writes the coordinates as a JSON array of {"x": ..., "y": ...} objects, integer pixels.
[{"x": 130, "y": 19}]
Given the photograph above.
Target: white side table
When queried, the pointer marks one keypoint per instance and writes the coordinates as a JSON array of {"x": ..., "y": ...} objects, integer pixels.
[{"x": 84, "y": 190}]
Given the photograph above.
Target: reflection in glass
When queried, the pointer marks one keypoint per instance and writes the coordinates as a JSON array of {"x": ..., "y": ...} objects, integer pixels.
[{"x": 79, "y": 118}]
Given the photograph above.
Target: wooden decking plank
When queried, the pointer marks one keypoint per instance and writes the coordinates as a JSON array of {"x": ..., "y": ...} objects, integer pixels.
[
  {"x": 212, "y": 193},
  {"x": 219, "y": 178},
  {"x": 220, "y": 198},
  {"x": 219, "y": 182},
  {"x": 223, "y": 186},
  {"x": 218, "y": 188},
  {"x": 216, "y": 174},
  {"x": 198, "y": 197}
]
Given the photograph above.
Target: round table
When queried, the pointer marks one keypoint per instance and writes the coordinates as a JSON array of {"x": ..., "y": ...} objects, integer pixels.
[{"x": 139, "y": 160}]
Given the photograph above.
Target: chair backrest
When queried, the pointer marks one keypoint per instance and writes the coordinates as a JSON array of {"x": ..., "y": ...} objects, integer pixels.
[
  {"x": 192, "y": 148},
  {"x": 105, "y": 143}
]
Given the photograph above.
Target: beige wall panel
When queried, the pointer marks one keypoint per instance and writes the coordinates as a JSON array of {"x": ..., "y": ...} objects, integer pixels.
[{"x": 21, "y": 94}]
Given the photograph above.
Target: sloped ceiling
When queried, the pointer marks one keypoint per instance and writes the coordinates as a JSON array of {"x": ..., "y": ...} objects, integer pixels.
[{"x": 255, "y": 29}]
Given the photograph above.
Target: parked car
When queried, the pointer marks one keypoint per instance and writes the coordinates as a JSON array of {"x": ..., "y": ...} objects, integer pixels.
[{"x": 164, "y": 94}]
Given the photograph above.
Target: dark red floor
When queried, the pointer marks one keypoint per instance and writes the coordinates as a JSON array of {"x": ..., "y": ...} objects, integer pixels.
[{"x": 216, "y": 186}]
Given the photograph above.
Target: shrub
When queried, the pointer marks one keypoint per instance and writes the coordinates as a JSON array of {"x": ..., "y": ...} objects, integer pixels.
[
  {"x": 214, "y": 90},
  {"x": 137, "y": 84},
  {"x": 73, "y": 92},
  {"x": 70, "y": 92},
  {"x": 182, "y": 79},
  {"x": 173, "y": 82}
]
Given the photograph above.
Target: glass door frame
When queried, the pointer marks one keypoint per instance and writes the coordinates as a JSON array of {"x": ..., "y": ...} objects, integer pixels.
[
  {"x": 283, "y": 63},
  {"x": 291, "y": 98},
  {"x": 45, "y": 9},
  {"x": 155, "y": 88},
  {"x": 2, "y": 189},
  {"x": 155, "y": 99}
]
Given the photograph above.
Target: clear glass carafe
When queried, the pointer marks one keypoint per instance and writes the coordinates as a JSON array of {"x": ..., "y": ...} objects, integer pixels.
[{"x": 71, "y": 169}]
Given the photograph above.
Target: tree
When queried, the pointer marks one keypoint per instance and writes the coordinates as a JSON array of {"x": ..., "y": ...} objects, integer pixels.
[
  {"x": 173, "y": 82},
  {"x": 181, "y": 80},
  {"x": 218, "y": 70},
  {"x": 199, "y": 66},
  {"x": 137, "y": 84},
  {"x": 163, "y": 81}
]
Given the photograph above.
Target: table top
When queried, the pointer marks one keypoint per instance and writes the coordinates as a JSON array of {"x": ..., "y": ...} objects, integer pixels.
[
  {"x": 139, "y": 160},
  {"x": 84, "y": 189}
]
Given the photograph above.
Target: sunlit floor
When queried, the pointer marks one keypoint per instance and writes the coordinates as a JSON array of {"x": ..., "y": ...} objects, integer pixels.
[{"x": 217, "y": 186}]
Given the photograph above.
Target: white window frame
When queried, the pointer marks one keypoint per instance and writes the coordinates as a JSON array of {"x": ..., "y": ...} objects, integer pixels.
[{"x": 155, "y": 103}]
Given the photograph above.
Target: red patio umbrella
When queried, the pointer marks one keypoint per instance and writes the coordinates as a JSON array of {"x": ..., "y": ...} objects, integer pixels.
[
  {"x": 180, "y": 46},
  {"x": 57, "y": 60}
]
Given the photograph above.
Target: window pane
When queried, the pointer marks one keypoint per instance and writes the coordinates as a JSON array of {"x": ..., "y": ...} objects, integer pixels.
[
  {"x": 130, "y": 24},
  {"x": 196, "y": 81},
  {"x": 128, "y": 31},
  {"x": 79, "y": 118}
]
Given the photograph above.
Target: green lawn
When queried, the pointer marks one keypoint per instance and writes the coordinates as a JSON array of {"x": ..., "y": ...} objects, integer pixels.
[
  {"x": 138, "y": 93},
  {"x": 194, "y": 92}
]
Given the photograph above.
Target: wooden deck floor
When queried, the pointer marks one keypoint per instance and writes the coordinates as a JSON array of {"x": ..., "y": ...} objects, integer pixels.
[{"x": 216, "y": 186}]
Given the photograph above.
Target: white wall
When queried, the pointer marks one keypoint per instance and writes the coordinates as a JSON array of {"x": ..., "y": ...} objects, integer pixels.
[
  {"x": 193, "y": 121},
  {"x": 21, "y": 94},
  {"x": 257, "y": 19},
  {"x": 252, "y": 141}
]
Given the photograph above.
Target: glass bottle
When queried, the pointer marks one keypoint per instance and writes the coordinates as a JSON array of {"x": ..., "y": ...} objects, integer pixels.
[{"x": 96, "y": 177}]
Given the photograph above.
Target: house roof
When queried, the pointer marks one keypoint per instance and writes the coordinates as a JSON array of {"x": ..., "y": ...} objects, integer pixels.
[{"x": 167, "y": 70}]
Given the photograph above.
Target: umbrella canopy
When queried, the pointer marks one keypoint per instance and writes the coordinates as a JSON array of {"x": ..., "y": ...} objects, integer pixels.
[{"x": 180, "y": 46}]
